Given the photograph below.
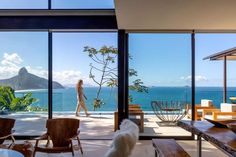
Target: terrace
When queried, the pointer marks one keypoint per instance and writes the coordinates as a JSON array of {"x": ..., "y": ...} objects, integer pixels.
[
  {"x": 98, "y": 130},
  {"x": 126, "y": 52}
]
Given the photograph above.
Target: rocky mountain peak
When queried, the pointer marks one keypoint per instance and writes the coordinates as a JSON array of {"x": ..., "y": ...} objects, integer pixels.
[
  {"x": 25, "y": 80},
  {"x": 23, "y": 71}
]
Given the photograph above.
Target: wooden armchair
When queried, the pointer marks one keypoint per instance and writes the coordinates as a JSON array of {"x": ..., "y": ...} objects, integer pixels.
[
  {"x": 6, "y": 125},
  {"x": 204, "y": 106},
  {"x": 61, "y": 132},
  {"x": 225, "y": 110},
  {"x": 204, "y": 110}
]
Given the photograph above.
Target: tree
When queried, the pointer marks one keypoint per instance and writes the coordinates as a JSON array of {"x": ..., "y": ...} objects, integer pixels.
[
  {"x": 9, "y": 102},
  {"x": 105, "y": 59}
]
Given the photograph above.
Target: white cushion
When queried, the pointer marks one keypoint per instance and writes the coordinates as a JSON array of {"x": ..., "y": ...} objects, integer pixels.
[
  {"x": 206, "y": 103},
  {"x": 120, "y": 146},
  {"x": 124, "y": 140},
  {"x": 226, "y": 107}
]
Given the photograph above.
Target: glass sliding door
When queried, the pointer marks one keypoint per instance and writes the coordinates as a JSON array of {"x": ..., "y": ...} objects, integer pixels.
[
  {"x": 160, "y": 82},
  {"x": 23, "y": 80},
  {"x": 92, "y": 58},
  {"x": 210, "y": 73}
]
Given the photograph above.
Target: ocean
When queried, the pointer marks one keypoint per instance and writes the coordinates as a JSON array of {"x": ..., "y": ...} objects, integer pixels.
[{"x": 65, "y": 99}]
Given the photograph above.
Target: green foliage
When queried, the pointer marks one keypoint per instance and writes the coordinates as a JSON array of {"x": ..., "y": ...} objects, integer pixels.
[
  {"x": 97, "y": 103},
  {"x": 35, "y": 108},
  {"x": 105, "y": 59},
  {"x": 138, "y": 86},
  {"x": 9, "y": 102}
]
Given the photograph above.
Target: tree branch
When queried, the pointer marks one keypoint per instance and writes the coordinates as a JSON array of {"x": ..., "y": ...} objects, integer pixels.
[{"x": 92, "y": 76}]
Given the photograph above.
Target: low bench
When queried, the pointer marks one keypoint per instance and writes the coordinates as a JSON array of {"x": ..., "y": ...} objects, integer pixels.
[
  {"x": 168, "y": 148},
  {"x": 139, "y": 121}
]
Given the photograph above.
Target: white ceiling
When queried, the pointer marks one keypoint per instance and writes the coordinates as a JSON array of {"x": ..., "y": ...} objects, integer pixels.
[{"x": 176, "y": 14}]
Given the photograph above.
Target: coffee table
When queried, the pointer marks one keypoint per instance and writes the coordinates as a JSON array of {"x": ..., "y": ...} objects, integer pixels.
[
  {"x": 222, "y": 138},
  {"x": 10, "y": 153}
]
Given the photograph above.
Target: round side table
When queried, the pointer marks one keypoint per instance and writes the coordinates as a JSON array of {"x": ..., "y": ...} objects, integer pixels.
[{"x": 10, "y": 153}]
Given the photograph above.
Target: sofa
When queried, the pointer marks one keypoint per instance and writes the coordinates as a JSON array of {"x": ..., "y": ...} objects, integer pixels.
[{"x": 124, "y": 140}]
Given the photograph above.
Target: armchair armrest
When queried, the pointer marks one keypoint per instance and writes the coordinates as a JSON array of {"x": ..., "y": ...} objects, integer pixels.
[
  {"x": 75, "y": 136},
  {"x": 209, "y": 110},
  {"x": 6, "y": 136},
  {"x": 218, "y": 113},
  {"x": 199, "y": 107},
  {"x": 43, "y": 137},
  {"x": 11, "y": 136},
  {"x": 203, "y": 107}
]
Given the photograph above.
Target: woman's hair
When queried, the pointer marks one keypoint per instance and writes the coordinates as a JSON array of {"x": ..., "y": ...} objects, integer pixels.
[{"x": 79, "y": 83}]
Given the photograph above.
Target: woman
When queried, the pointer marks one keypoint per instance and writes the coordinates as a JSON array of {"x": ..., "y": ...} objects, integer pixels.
[{"x": 80, "y": 99}]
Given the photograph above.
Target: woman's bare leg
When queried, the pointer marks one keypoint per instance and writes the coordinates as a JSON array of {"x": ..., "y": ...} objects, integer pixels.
[
  {"x": 78, "y": 109},
  {"x": 82, "y": 104}
]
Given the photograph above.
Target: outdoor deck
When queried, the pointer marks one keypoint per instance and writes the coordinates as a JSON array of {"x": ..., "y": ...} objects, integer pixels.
[{"x": 97, "y": 126}]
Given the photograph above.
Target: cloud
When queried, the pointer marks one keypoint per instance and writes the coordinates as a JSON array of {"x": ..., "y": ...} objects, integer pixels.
[
  {"x": 12, "y": 62},
  {"x": 67, "y": 76},
  {"x": 10, "y": 65},
  {"x": 39, "y": 71},
  {"x": 198, "y": 78}
]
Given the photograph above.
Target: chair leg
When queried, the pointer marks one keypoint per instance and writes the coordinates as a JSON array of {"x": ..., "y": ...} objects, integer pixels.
[
  {"x": 80, "y": 146},
  {"x": 72, "y": 149},
  {"x": 13, "y": 142},
  {"x": 48, "y": 142},
  {"x": 34, "y": 153}
]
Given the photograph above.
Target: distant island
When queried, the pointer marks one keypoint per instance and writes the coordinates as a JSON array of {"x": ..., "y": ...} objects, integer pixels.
[{"x": 25, "y": 80}]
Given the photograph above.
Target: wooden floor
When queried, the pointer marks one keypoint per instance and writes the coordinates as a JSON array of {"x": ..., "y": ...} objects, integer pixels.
[
  {"x": 101, "y": 127},
  {"x": 97, "y": 126},
  {"x": 143, "y": 148}
]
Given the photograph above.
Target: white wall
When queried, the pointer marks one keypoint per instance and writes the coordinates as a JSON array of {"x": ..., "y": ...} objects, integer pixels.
[{"x": 176, "y": 14}]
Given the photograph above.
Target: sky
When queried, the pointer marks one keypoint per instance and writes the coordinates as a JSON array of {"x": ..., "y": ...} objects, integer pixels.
[
  {"x": 70, "y": 59},
  {"x": 160, "y": 59},
  {"x": 56, "y": 4},
  {"x": 70, "y": 63},
  {"x": 168, "y": 59},
  {"x": 23, "y": 49},
  {"x": 212, "y": 71}
]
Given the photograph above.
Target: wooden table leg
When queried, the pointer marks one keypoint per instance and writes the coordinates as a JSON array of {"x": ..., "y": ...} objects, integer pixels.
[
  {"x": 199, "y": 146},
  {"x": 115, "y": 120},
  {"x": 142, "y": 122}
]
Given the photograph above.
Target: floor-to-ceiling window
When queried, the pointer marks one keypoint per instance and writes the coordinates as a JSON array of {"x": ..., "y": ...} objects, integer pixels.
[
  {"x": 24, "y": 80},
  {"x": 160, "y": 70},
  {"x": 91, "y": 57},
  {"x": 28, "y": 53},
  {"x": 210, "y": 73}
]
